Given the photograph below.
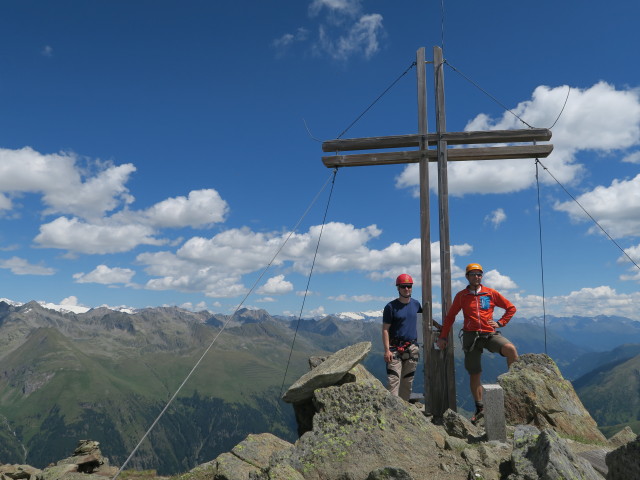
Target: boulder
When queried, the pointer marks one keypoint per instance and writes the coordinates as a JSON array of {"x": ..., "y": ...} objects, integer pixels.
[
  {"x": 458, "y": 426},
  {"x": 18, "y": 472},
  {"x": 359, "y": 429},
  {"x": 327, "y": 373},
  {"x": 250, "y": 458},
  {"x": 623, "y": 437},
  {"x": 535, "y": 393},
  {"x": 546, "y": 456},
  {"x": 87, "y": 460},
  {"x": 624, "y": 462}
]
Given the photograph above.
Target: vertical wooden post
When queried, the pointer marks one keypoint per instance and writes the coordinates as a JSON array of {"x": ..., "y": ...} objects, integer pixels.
[
  {"x": 448, "y": 375},
  {"x": 425, "y": 222}
]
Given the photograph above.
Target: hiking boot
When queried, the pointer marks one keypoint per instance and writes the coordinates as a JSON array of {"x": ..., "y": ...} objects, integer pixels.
[{"x": 477, "y": 416}]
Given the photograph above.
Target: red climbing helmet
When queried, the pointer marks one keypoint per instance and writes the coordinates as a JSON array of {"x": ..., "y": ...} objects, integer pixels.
[{"x": 404, "y": 279}]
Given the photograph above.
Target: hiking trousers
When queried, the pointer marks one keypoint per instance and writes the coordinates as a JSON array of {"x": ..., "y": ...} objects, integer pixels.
[{"x": 400, "y": 372}]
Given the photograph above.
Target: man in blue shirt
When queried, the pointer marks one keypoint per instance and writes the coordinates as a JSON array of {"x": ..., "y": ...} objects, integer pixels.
[{"x": 400, "y": 338}]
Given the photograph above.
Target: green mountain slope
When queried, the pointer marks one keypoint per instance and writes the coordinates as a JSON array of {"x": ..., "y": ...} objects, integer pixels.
[
  {"x": 106, "y": 376},
  {"x": 611, "y": 393}
]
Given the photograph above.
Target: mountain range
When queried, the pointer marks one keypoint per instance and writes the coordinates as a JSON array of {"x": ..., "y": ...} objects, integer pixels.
[{"x": 106, "y": 375}]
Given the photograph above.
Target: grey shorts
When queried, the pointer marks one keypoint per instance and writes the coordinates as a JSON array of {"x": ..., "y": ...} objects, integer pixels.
[{"x": 473, "y": 343}]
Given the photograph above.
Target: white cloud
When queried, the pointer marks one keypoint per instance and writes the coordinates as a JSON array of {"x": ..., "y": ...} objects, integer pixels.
[
  {"x": 215, "y": 265},
  {"x": 598, "y": 118},
  {"x": 496, "y": 217},
  {"x": 581, "y": 302},
  {"x": 283, "y": 43},
  {"x": 200, "y": 208},
  {"x": 633, "y": 157},
  {"x": 266, "y": 300},
  {"x": 318, "y": 312},
  {"x": 359, "y": 298},
  {"x": 616, "y": 208},
  {"x": 343, "y": 30},
  {"x": 77, "y": 236},
  {"x": 362, "y": 37},
  {"x": 345, "y": 7},
  {"x": 59, "y": 180},
  {"x": 5, "y": 202},
  {"x": 71, "y": 301},
  {"x": 276, "y": 286},
  {"x": 105, "y": 275},
  {"x": 47, "y": 51},
  {"x": 494, "y": 279},
  {"x": 20, "y": 266}
]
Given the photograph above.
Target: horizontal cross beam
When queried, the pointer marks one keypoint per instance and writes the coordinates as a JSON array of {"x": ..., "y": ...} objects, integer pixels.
[
  {"x": 453, "y": 154},
  {"x": 452, "y": 138}
]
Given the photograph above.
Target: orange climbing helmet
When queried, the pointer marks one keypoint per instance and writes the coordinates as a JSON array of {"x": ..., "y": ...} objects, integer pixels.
[
  {"x": 473, "y": 266},
  {"x": 403, "y": 279}
]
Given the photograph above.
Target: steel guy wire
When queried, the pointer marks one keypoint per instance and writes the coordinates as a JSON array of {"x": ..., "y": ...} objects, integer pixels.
[{"x": 221, "y": 330}]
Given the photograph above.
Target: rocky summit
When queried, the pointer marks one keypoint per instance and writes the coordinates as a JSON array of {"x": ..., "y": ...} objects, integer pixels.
[{"x": 353, "y": 429}]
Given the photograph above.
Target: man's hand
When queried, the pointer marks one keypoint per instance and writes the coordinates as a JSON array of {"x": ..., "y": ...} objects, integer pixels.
[
  {"x": 494, "y": 324},
  {"x": 388, "y": 356},
  {"x": 442, "y": 343}
]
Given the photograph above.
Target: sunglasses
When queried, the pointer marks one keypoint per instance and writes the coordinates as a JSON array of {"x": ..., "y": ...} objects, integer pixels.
[
  {"x": 405, "y": 286},
  {"x": 474, "y": 274}
]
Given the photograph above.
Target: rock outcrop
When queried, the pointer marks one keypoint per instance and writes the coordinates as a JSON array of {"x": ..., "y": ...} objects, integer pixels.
[
  {"x": 544, "y": 455},
  {"x": 356, "y": 430},
  {"x": 536, "y": 394},
  {"x": 86, "y": 463},
  {"x": 624, "y": 462}
]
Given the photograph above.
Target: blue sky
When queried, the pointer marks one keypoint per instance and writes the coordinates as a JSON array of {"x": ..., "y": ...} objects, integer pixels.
[{"x": 155, "y": 152}]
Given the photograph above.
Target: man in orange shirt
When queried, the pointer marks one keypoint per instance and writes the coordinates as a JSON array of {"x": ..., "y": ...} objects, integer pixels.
[{"x": 479, "y": 330}]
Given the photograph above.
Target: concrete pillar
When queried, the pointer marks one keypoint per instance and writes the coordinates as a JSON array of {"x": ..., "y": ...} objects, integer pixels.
[{"x": 494, "y": 420}]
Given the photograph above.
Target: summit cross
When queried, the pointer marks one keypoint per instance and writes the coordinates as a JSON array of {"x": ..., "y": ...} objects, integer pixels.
[{"x": 439, "y": 374}]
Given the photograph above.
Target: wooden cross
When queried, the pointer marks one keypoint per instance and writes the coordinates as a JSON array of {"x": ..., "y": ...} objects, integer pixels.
[{"x": 439, "y": 375}]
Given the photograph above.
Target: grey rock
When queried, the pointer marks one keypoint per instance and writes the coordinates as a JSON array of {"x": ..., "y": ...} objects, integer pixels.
[
  {"x": 257, "y": 449},
  {"x": 389, "y": 473},
  {"x": 545, "y": 456},
  {"x": 327, "y": 373},
  {"x": 624, "y": 462},
  {"x": 623, "y": 437},
  {"x": 458, "y": 426},
  {"x": 87, "y": 460},
  {"x": 535, "y": 393},
  {"x": 359, "y": 428},
  {"x": 17, "y": 472}
]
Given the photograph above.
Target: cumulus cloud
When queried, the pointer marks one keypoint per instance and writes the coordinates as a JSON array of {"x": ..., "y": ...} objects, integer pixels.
[
  {"x": 20, "y": 266},
  {"x": 276, "y": 286},
  {"x": 93, "y": 202},
  {"x": 105, "y": 275},
  {"x": 616, "y": 208},
  {"x": 580, "y": 302},
  {"x": 599, "y": 118},
  {"x": 199, "y": 209},
  {"x": 494, "y": 279},
  {"x": 59, "y": 179},
  {"x": 496, "y": 217},
  {"x": 75, "y": 235},
  {"x": 216, "y": 265}
]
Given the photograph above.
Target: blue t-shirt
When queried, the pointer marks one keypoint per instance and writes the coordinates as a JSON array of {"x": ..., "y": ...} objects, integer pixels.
[{"x": 403, "y": 319}]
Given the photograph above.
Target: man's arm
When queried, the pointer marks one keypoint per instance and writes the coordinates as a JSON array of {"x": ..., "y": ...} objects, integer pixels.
[
  {"x": 509, "y": 308},
  {"x": 455, "y": 308},
  {"x": 388, "y": 356}
]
